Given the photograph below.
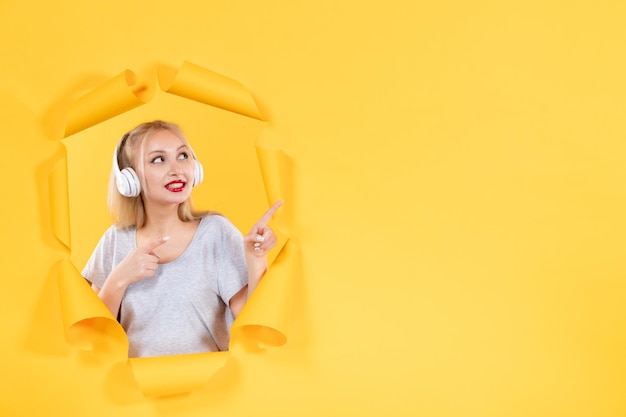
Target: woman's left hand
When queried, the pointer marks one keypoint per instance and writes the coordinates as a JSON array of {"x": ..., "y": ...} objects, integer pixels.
[{"x": 261, "y": 238}]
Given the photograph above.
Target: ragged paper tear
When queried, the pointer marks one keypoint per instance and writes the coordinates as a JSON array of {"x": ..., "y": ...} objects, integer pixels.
[
  {"x": 205, "y": 86},
  {"x": 116, "y": 96},
  {"x": 88, "y": 323}
]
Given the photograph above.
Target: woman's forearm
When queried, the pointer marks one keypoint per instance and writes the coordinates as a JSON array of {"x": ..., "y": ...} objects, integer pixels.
[
  {"x": 112, "y": 293},
  {"x": 256, "y": 270}
]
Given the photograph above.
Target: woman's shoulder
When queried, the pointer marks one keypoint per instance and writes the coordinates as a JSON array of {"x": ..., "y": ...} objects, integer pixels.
[
  {"x": 115, "y": 238},
  {"x": 116, "y": 230},
  {"x": 114, "y": 233}
]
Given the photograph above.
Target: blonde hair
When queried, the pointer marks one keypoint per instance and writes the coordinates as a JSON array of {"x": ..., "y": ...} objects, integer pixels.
[{"x": 129, "y": 212}]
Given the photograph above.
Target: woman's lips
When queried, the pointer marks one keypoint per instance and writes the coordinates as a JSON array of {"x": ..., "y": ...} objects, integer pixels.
[{"x": 175, "y": 186}]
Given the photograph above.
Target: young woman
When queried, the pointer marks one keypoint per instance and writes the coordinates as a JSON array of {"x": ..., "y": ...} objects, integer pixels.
[{"x": 174, "y": 277}]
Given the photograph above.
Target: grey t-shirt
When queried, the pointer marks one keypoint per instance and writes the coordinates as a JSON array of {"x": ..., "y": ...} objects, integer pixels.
[{"x": 183, "y": 308}]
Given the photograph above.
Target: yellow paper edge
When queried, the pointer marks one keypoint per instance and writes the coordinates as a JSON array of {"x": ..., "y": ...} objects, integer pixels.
[
  {"x": 209, "y": 87},
  {"x": 114, "y": 97},
  {"x": 59, "y": 202},
  {"x": 177, "y": 374}
]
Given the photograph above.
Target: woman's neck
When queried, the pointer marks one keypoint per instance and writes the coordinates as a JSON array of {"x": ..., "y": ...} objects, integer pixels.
[
  {"x": 161, "y": 223},
  {"x": 161, "y": 220}
]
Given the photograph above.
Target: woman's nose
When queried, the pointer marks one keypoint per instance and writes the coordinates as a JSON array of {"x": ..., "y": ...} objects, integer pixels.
[{"x": 175, "y": 169}]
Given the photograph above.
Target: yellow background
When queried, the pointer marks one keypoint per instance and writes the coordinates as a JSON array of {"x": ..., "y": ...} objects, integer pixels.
[{"x": 458, "y": 199}]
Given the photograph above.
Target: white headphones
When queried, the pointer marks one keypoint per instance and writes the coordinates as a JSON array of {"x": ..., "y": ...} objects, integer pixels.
[{"x": 127, "y": 181}]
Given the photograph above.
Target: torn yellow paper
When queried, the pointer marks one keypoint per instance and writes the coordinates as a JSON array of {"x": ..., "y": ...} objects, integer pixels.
[
  {"x": 277, "y": 178},
  {"x": 116, "y": 96},
  {"x": 205, "y": 86},
  {"x": 88, "y": 323},
  {"x": 85, "y": 318},
  {"x": 264, "y": 322},
  {"x": 59, "y": 204},
  {"x": 176, "y": 374}
]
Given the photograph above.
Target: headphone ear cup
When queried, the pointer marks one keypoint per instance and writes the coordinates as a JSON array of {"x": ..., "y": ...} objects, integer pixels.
[
  {"x": 128, "y": 183},
  {"x": 198, "y": 172}
]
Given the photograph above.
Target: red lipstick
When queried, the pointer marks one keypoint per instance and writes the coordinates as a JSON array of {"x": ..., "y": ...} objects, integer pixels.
[{"x": 175, "y": 186}]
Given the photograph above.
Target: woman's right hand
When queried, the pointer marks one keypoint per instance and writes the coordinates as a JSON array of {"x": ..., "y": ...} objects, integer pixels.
[{"x": 139, "y": 264}]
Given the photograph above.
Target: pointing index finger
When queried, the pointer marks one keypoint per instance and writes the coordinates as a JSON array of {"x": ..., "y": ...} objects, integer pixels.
[
  {"x": 155, "y": 244},
  {"x": 265, "y": 219}
]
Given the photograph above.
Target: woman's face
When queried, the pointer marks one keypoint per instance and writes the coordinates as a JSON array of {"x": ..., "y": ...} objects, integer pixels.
[{"x": 165, "y": 168}]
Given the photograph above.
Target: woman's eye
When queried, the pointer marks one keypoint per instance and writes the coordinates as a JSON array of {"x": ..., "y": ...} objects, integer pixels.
[
  {"x": 183, "y": 155},
  {"x": 157, "y": 160}
]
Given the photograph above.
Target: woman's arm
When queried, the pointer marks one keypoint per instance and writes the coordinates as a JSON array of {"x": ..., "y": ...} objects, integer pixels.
[
  {"x": 111, "y": 293},
  {"x": 139, "y": 264},
  {"x": 256, "y": 244},
  {"x": 256, "y": 270}
]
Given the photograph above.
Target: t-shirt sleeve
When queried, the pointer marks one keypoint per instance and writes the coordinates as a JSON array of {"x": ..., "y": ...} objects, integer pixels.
[
  {"x": 99, "y": 265},
  {"x": 233, "y": 271}
]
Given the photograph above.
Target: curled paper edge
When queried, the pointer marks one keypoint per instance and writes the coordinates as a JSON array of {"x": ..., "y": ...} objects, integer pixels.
[
  {"x": 258, "y": 326},
  {"x": 86, "y": 320},
  {"x": 277, "y": 174},
  {"x": 209, "y": 87},
  {"x": 270, "y": 161},
  {"x": 59, "y": 202},
  {"x": 113, "y": 97}
]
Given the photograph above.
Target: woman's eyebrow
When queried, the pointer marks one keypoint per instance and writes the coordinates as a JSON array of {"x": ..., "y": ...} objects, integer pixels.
[{"x": 162, "y": 151}]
